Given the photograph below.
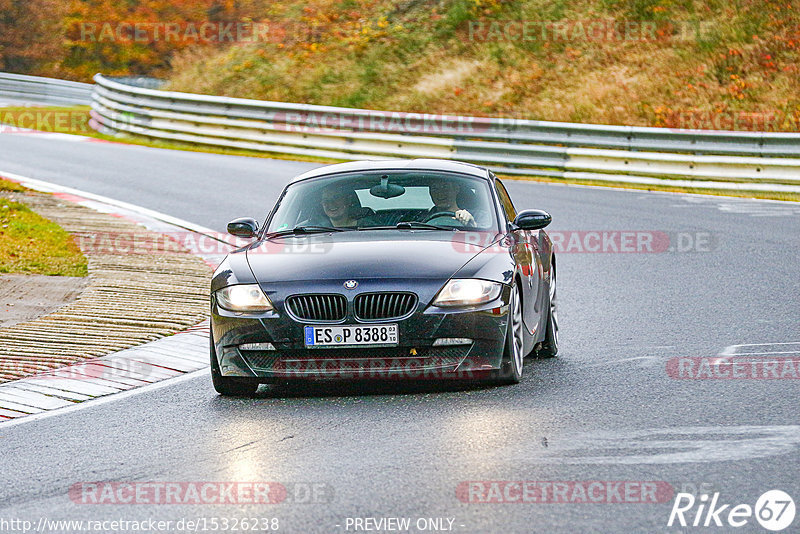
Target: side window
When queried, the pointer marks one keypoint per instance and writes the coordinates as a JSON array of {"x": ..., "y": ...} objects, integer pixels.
[{"x": 508, "y": 207}]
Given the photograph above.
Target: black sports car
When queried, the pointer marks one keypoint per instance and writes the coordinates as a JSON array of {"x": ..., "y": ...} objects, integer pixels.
[{"x": 416, "y": 270}]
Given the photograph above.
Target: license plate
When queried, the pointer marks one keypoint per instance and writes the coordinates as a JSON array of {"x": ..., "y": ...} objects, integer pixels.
[{"x": 336, "y": 336}]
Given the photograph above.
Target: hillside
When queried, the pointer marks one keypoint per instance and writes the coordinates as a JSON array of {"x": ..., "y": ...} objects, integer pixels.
[
  {"x": 676, "y": 63},
  {"x": 712, "y": 64}
]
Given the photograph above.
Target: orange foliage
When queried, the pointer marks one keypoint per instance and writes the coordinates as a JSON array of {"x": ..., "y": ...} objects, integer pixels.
[
  {"x": 28, "y": 35},
  {"x": 77, "y": 38}
]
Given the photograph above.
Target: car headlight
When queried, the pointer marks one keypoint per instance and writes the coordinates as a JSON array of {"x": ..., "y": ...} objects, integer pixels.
[
  {"x": 243, "y": 298},
  {"x": 467, "y": 292}
]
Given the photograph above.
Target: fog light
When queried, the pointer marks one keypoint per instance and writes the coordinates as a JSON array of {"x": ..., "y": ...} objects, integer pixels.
[
  {"x": 449, "y": 341},
  {"x": 257, "y": 346}
]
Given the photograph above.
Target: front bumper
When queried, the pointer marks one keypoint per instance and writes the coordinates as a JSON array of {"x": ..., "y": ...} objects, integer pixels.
[{"x": 415, "y": 357}]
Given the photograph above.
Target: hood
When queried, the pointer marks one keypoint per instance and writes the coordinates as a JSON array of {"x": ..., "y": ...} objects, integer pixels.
[{"x": 386, "y": 254}]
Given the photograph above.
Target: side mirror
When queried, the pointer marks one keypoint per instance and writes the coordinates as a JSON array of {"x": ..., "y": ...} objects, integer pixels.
[
  {"x": 532, "y": 219},
  {"x": 244, "y": 227}
]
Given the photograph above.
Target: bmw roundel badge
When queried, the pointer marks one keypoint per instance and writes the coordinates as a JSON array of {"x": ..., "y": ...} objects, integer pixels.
[{"x": 350, "y": 284}]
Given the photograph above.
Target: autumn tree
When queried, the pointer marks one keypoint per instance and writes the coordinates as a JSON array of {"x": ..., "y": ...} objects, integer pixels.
[
  {"x": 77, "y": 38},
  {"x": 30, "y": 33}
]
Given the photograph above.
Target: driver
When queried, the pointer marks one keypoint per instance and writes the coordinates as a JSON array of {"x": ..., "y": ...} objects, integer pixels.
[
  {"x": 342, "y": 207},
  {"x": 444, "y": 194}
]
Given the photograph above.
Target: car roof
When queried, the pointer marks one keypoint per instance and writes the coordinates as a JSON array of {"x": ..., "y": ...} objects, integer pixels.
[{"x": 405, "y": 165}]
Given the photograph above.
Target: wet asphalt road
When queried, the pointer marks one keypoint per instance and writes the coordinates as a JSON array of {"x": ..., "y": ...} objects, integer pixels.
[{"x": 605, "y": 410}]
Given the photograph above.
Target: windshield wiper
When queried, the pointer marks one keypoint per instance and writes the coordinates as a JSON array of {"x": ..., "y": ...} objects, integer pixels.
[
  {"x": 417, "y": 224},
  {"x": 301, "y": 230},
  {"x": 408, "y": 225}
]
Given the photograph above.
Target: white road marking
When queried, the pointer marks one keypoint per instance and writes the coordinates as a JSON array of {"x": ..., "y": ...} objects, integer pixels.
[
  {"x": 48, "y": 187},
  {"x": 115, "y": 376},
  {"x": 9, "y": 402},
  {"x": 49, "y": 135},
  {"x": 765, "y": 353},
  {"x": 47, "y": 390},
  {"x": 189, "y": 354},
  {"x": 31, "y": 398},
  {"x": 644, "y": 193},
  {"x": 105, "y": 399},
  {"x": 733, "y": 350},
  {"x": 743, "y": 206}
]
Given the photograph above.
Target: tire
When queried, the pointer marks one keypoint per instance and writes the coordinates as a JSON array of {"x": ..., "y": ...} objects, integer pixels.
[
  {"x": 229, "y": 386},
  {"x": 510, "y": 371},
  {"x": 549, "y": 346}
]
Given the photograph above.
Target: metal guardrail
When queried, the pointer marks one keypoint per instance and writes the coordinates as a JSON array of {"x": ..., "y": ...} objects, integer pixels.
[
  {"x": 46, "y": 90},
  {"x": 702, "y": 158},
  {"x": 743, "y": 160},
  {"x": 721, "y": 159},
  {"x": 140, "y": 81}
]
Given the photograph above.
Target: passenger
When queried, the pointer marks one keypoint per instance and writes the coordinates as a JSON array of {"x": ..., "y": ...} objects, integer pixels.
[{"x": 342, "y": 206}]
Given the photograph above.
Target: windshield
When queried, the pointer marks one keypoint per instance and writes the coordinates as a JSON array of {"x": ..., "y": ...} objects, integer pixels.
[{"x": 417, "y": 199}]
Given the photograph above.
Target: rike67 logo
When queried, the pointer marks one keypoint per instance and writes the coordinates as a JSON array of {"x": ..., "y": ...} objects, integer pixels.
[{"x": 774, "y": 511}]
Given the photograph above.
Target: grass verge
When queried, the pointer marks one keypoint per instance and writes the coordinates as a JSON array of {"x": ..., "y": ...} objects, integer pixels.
[{"x": 31, "y": 244}]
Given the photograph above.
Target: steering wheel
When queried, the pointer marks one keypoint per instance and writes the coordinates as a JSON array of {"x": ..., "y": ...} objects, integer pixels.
[{"x": 440, "y": 214}]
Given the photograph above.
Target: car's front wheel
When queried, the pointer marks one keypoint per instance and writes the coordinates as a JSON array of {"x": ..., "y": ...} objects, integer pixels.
[
  {"x": 510, "y": 371},
  {"x": 226, "y": 385}
]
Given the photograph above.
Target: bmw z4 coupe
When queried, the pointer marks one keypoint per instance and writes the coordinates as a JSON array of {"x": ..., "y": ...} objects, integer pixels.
[{"x": 413, "y": 270}]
